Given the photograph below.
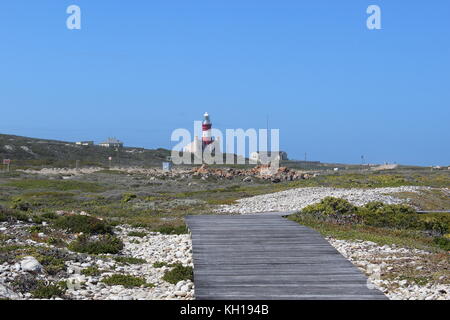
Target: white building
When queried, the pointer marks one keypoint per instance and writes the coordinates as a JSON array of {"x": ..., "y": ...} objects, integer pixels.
[
  {"x": 84, "y": 143},
  {"x": 111, "y": 143}
]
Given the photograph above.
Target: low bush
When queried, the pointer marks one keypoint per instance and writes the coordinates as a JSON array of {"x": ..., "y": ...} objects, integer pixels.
[
  {"x": 24, "y": 283},
  {"x": 85, "y": 224},
  {"x": 104, "y": 244},
  {"x": 127, "y": 197},
  {"x": 160, "y": 264},
  {"x": 47, "y": 291},
  {"x": 169, "y": 229},
  {"x": 51, "y": 264},
  {"x": 443, "y": 243},
  {"x": 331, "y": 206},
  {"x": 380, "y": 208},
  {"x": 376, "y": 214},
  {"x": 91, "y": 271},
  {"x": 10, "y": 214},
  {"x": 179, "y": 273},
  {"x": 438, "y": 225},
  {"x": 127, "y": 281},
  {"x": 20, "y": 204},
  {"x": 130, "y": 260}
]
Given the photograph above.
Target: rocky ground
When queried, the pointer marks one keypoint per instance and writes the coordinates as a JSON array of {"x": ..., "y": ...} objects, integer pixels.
[
  {"x": 19, "y": 275},
  {"x": 399, "y": 272},
  {"x": 296, "y": 199},
  {"x": 402, "y": 274}
]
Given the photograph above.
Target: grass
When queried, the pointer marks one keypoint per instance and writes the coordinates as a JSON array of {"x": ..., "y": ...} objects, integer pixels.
[
  {"x": 58, "y": 185},
  {"x": 433, "y": 200},
  {"x": 128, "y": 281},
  {"x": 179, "y": 273}
]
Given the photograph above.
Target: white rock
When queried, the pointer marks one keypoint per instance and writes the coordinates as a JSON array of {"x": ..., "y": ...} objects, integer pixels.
[
  {"x": 184, "y": 288},
  {"x": 6, "y": 292},
  {"x": 180, "y": 293},
  {"x": 30, "y": 264}
]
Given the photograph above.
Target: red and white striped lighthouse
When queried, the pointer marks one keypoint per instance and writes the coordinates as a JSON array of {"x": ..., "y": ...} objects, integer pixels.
[{"x": 206, "y": 130}]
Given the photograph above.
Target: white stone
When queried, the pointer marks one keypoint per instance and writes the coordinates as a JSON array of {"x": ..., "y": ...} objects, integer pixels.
[{"x": 30, "y": 264}]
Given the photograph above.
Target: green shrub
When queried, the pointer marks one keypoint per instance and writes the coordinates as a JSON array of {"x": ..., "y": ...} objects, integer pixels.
[
  {"x": 399, "y": 216},
  {"x": 36, "y": 229},
  {"x": 130, "y": 260},
  {"x": 397, "y": 221},
  {"x": 49, "y": 216},
  {"x": 9, "y": 214},
  {"x": 438, "y": 224},
  {"x": 179, "y": 273},
  {"x": 51, "y": 264},
  {"x": 91, "y": 271},
  {"x": 161, "y": 264},
  {"x": 128, "y": 281},
  {"x": 128, "y": 197},
  {"x": 442, "y": 243},
  {"x": 331, "y": 206},
  {"x": 137, "y": 234},
  {"x": 105, "y": 244},
  {"x": 380, "y": 208},
  {"x": 169, "y": 229},
  {"x": 20, "y": 204},
  {"x": 47, "y": 291},
  {"x": 85, "y": 224}
]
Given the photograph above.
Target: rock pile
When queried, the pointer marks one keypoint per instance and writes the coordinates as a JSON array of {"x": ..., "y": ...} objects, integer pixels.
[{"x": 261, "y": 171}]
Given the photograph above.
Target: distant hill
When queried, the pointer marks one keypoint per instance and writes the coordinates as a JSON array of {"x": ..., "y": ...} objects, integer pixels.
[{"x": 32, "y": 151}]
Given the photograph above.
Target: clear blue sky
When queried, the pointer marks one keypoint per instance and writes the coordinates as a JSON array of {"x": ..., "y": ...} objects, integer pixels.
[{"x": 139, "y": 69}]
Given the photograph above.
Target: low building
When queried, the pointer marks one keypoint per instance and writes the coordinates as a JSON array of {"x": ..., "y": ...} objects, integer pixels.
[
  {"x": 84, "y": 143},
  {"x": 111, "y": 143},
  {"x": 260, "y": 155}
]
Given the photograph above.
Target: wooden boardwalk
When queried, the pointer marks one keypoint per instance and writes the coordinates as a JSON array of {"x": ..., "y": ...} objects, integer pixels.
[{"x": 266, "y": 256}]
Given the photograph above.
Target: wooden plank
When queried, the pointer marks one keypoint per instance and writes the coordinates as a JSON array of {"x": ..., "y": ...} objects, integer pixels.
[{"x": 269, "y": 257}]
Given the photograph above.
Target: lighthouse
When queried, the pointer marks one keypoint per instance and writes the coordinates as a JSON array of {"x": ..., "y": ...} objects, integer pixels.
[
  {"x": 206, "y": 131},
  {"x": 207, "y": 142}
]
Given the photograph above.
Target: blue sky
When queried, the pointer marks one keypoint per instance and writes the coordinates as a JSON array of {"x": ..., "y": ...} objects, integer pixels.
[{"x": 139, "y": 69}]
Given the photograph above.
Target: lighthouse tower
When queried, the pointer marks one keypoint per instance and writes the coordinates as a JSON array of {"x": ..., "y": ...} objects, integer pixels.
[{"x": 206, "y": 131}]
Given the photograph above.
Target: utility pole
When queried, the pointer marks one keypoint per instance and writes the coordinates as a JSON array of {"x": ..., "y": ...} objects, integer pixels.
[{"x": 305, "y": 156}]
